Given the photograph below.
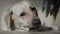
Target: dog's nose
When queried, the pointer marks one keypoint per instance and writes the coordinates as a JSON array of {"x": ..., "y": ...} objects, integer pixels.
[{"x": 36, "y": 22}]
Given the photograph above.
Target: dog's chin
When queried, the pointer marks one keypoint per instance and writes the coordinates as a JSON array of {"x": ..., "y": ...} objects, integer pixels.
[{"x": 28, "y": 27}]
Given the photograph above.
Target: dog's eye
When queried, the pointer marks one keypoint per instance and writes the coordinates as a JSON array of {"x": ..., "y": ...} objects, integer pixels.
[
  {"x": 22, "y": 14},
  {"x": 32, "y": 8}
]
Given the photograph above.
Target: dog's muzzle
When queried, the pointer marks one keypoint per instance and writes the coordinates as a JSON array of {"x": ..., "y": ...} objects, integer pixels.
[{"x": 36, "y": 23}]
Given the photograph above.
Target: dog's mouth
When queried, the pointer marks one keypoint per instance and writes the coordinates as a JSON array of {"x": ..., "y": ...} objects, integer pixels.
[
  {"x": 40, "y": 29},
  {"x": 36, "y": 26}
]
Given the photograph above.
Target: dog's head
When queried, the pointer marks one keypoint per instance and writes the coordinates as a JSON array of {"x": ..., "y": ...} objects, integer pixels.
[{"x": 26, "y": 15}]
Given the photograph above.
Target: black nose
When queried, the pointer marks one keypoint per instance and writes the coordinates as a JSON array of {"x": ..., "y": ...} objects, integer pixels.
[{"x": 36, "y": 22}]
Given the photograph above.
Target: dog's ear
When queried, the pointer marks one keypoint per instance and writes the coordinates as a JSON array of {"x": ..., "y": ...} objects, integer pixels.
[
  {"x": 12, "y": 25},
  {"x": 34, "y": 10}
]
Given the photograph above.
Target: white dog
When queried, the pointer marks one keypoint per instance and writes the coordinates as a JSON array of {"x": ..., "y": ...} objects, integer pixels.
[{"x": 21, "y": 17}]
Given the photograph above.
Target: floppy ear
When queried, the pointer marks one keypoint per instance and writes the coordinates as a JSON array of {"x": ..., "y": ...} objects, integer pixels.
[
  {"x": 12, "y": 25},
  {"x": 10, "y": 21},
  {"x": 34, "y": 10}
]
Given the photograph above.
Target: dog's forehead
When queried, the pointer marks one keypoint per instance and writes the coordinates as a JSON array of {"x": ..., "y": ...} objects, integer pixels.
[{"x": 20, "y": 7}]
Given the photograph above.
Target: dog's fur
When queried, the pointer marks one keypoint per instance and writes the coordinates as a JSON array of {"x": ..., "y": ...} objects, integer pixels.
[{"x": 13, "y": 20}]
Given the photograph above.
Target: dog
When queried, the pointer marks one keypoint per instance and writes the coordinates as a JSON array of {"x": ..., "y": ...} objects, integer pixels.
[{"x": 22, "y": 17}]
